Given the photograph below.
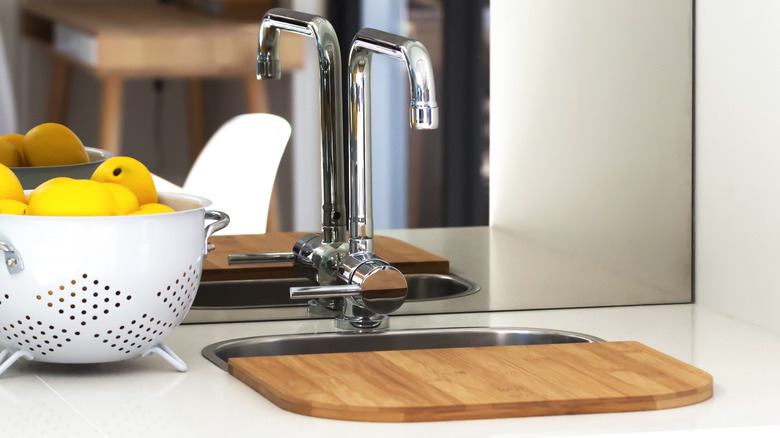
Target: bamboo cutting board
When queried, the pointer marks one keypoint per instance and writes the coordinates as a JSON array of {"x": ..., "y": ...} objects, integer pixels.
[
  {"x": 476, "y": 383},
  {"x": 406, "y": 257}
]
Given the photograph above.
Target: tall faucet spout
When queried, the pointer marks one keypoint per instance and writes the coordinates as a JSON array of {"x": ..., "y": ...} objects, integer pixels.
[
  {"x": 424, "y": 114},
  {"x": 331, "y": 121}
]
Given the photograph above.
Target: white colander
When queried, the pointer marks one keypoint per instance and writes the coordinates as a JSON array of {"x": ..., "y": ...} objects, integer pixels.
[{"x": 100, "y": 289}]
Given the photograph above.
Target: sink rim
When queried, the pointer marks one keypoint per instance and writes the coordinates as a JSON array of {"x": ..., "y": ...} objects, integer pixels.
[
  {"x": 469, "y": 286},
  {"x": 210, "y": 352}
]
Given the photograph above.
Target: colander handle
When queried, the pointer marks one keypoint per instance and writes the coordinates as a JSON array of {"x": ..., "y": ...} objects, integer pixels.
[
  {"x": 13, "y": 260},
  {"x": 222, "y": 220}
]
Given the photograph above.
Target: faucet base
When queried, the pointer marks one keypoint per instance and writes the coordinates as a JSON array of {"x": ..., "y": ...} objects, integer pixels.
[
  {"x": 334, "y": 308},
  {"x": 355, "y": 318},
  {"x": 362, "y": 324}
]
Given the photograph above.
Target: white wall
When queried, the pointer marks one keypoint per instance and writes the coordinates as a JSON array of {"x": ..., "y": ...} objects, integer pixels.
[
  {"x": 591, "y": 132},
  {"x": 738, "y": 159}
]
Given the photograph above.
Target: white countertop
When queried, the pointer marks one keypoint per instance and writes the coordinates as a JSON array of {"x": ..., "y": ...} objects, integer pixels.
[{"x": 147, "y": 397}]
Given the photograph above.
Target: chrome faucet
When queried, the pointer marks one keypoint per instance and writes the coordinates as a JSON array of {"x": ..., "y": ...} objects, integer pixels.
[
  {"x": 357, "y": 285},
  {"x": 373, "y": 288},
  {"x": 315, "y": 255},
  {"x": 423, "y": 114},
  {"x": 331, "y": 120}
]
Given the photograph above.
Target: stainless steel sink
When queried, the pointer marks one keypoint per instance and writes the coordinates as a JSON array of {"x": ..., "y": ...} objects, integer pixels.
[
  {"x": 241, "y": 294},
  {"x": 344, "y": 342}
]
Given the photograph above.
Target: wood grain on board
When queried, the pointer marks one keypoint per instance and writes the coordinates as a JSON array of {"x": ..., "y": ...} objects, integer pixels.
[{"x": 476, "y": 383}]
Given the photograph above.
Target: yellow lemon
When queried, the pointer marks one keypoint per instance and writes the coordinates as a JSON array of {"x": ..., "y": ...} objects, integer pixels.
[
  {"x": 52, "y": 144},
  {"x": 9, "y": 154},
  {"x": 10, "y": 187},
  {"x": 73, "y": 197},
  {"x": 130, "y": 173},
  {"x": 43, "y": 185},
  {"x": 18, "y": 141},
  {"x": 127, "y": 201},
  {"x": 11, "y": 206},
  {"x": 153, "y": 208}
]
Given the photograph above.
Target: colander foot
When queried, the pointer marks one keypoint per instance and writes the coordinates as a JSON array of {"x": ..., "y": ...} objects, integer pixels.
[
  {"x": 166, "y": 353},
  {"x": 13, "y": 358}
]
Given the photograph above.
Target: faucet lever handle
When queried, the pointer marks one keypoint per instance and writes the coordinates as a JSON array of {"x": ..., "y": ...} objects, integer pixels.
[
  {"x": 258, "y": 259},
  {"x": 372, "y": 282},
  {"x": 336, "y": 291},
  {"x": 302, "y": 251}
]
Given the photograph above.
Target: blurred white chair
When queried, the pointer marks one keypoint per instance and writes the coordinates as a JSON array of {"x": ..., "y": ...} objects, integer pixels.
[{"x": 237, "y": 168}]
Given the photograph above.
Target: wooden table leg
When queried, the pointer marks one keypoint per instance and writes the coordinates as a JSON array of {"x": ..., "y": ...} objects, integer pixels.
[
  {"x": 111, "y": 100},
  {"x": 195, "y": 116},
  {"x": 59, "y": 89},
  {"x": 256, "y": 95}
]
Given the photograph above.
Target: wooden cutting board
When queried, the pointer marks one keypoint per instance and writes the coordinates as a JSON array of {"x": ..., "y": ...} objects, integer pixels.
[
  {"x": 476, "y": 383},
  {"x": 406, "y": 257}
]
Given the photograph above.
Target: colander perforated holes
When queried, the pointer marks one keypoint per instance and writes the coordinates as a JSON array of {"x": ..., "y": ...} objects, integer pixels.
[
  {"x": 26, "y": 337},
  {"x": 125, "y": 339},
  {"x": 85, "y": 299},
  {"x": 179, "y": 298},
  {"x": 78, "y": 299},
  {"x": 94, "y": 312}
]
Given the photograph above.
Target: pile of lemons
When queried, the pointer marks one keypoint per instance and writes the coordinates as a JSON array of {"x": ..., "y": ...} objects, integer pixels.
[
  {"x": 49, "y": 144},
  {"x": 119, "y": 186}
]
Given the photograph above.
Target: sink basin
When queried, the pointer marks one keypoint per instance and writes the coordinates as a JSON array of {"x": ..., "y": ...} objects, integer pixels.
[
  {"x": 276, "y": 292},
  {"x": 344, "y": 342}
]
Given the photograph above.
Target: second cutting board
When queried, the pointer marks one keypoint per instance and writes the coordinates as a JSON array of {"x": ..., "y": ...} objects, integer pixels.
[{"x": 406, "y": 257}]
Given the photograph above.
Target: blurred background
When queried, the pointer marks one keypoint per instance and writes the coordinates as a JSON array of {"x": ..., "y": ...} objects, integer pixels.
[{"x": 421, "y": 178}]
